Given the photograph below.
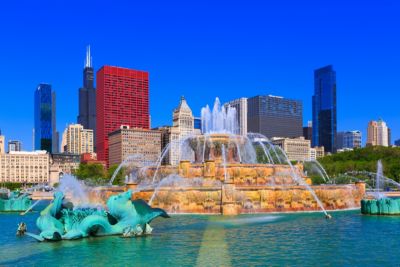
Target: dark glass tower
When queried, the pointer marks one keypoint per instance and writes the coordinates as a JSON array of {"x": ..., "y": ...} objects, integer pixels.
[
  {"x": 87, "y": 97},
  {"x": 324, "y": 109},
  {"x": 44, "y": 113},
  {"x": 275, "y": 116}
]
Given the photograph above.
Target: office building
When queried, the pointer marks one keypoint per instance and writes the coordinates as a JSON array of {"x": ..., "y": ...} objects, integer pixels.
[
  {"x": 377, "y": 133},
  {"x": 122, "y": 98},
  {"x": 317, "y": 152},
  {"x": 297, "y": 149},
  {"x": 240, "y": 105},
  {"x": 348, "y": 139},
  {"x": 87, "y": 96},
  {"x": 324, "y": 109},
  {"x": 397, "y": 142},
  {"x": 64, "y": 163},
  {"x": 170, "y": 137},
  {"x": 275, "y": 116},
  {"x": 77, "y": 140},
  {"x": 307, "y": 131},
  {"x": 24, "y": 167},
  {"x": 143, "y": 146},
  {"x": 44, "y": 116},
  {"x": 2, "y": 145},
  {"x": 55, "y": 135},
  {"x": 14, "y": 145}
]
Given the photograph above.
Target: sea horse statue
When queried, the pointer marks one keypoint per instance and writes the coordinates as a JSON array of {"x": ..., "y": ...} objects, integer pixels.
[{"x": 122, "y": 216}]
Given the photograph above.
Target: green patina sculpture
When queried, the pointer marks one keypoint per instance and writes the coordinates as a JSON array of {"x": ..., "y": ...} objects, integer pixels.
[
  {"x": 14, "y": 201},
  {"x": 122, "y": 217},
  {"x": 383, "y": 206}
]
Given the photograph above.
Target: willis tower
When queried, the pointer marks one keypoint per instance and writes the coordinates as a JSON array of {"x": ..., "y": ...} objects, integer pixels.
[{"x": 87, "y": 97}]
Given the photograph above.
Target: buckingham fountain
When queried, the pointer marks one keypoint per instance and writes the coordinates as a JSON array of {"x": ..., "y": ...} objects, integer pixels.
[{"x": 219, "y": 173}]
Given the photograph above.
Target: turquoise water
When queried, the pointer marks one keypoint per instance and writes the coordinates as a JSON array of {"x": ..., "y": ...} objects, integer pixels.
[{"x": 349, "y": 239}]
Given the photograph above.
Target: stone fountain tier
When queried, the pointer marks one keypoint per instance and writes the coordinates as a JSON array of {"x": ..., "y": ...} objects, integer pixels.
[
  {"x": 229, "y": 199},
  {"x": 240, "y": 174},
  {"x": 213, "y": 143}
]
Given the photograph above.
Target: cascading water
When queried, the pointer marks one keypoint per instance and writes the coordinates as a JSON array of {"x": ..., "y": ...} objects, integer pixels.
[
  {"x": 224, "y": 163},
  {"x": 379, "y": 182},
  {"x": 379, "y": 175},
  {"x": 76, "y": 191},
  {"x": 219, "y": 120},
  {"x": 303, "y": 183},
  {"x": 129, "y": 159}
]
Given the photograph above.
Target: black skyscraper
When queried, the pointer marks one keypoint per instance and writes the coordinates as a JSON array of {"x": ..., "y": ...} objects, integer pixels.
[{"x": 87, "y": 97}]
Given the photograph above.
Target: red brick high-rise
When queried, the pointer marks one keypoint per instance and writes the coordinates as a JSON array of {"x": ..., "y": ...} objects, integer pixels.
[{"x": 122, "y": 98}]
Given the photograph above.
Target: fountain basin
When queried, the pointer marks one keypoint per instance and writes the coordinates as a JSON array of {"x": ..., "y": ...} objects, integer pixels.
[
  {"x": 16, "y": 201},
  {"x": 383, "y": 206},
  {"x": 232, "y": 199}
]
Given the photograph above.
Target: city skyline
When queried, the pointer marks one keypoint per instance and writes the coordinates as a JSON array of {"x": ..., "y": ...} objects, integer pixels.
[{"x": 210, "y": 68}]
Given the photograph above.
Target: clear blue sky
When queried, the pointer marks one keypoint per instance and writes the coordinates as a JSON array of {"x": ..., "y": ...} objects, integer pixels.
[{"x": 203, "y": 49}]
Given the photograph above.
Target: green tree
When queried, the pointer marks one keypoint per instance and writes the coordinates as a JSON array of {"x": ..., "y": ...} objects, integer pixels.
[
  {"x": 364, "y": 159},
  {"x": 93, "y": 171},
  {"x": 120, "y": 178}
]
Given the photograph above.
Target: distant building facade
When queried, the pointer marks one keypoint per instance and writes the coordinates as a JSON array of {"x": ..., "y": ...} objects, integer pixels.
[
  {"x": 240, "y": 105},
  {"x": 324, "y": 109},
  {"x": 397, "y": 142},
  {"x": 170, "y": 137},
  {"x": 317, "y": 152},
  {"x": 349, "y": 139},
  {"x": 14, "y": 145},
  {"x": 377, "y": 133},
  {"x": 77, "y": 140},
  {"x": 2, "y": 145},
  {"x": 65, "y": 163},
  {"x": 87, "y": 96},
  {"x": 142, "y": 145},
  {"x": 44, "y": 117},
  {"x": 297, "y": 149},
  {"x": 24, "y": 167},
  {"x": 122, "y": 98},
  {"x": 275, "y": 116},
  {"x": 307, "y": 131}
]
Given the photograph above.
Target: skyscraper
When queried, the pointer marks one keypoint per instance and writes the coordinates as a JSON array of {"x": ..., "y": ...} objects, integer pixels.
[
  {"x": 44, "y": 115},
  {"x": 377, "y": 133},
  {"x": 55, "y": 135},
  {"x": 324, "y": 109},
  {"x": 87, "y": 96},
  {"x": 275, "y": 116},
  {"x": 240, "y": 105},
  {"x": 122, "y": 98}
]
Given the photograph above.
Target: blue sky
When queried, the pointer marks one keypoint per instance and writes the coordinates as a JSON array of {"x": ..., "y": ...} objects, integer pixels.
[{"x": 203, "y": 49}]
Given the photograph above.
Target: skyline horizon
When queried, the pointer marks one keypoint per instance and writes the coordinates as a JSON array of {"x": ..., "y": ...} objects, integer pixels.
[{"x": 196, "y": 115}]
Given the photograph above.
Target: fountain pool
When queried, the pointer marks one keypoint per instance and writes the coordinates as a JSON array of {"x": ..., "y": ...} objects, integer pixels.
[{"x": 297, "y": 239}]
